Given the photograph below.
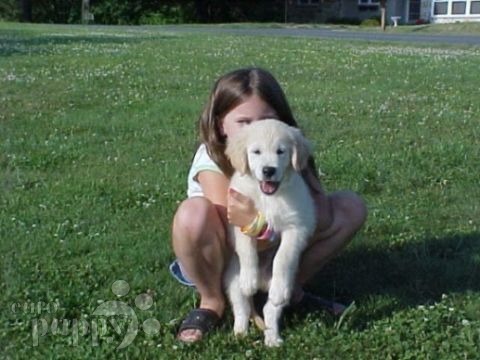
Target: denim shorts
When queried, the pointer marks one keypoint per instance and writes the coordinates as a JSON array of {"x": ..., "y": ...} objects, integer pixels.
[{"x": 179, "y": 274}]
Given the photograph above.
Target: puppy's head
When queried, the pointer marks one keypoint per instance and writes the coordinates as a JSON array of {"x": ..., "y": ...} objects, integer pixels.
[{"x": 268, "y": 150}]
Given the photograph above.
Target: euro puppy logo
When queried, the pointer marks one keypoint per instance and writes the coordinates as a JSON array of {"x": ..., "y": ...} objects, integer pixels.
[
  {"x": 109, "y": 321},
  {"x": 113, "y": 309}
]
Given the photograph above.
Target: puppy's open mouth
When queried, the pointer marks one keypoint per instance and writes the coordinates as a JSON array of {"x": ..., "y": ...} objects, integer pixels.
[{"x": 269, "y": 187}]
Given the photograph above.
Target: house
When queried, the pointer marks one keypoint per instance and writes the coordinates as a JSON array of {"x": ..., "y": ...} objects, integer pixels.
[
  {"x": 407, "y": 11},
  {"x": 444, "y": 11}
]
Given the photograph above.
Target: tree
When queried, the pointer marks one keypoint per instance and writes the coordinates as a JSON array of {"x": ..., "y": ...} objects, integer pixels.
[
  {"x": 26, "y": 10},
  {"x": 86, "y": 14},
  {"x": 201, "y": 12},
  {"x": 383, "y": 12}
]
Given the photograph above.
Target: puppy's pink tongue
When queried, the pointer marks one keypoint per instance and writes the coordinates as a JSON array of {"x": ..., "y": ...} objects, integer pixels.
[{"x": 268, "y": 187}]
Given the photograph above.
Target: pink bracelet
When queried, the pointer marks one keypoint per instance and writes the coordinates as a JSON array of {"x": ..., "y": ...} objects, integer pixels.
[{"x": 267, "y": 234}]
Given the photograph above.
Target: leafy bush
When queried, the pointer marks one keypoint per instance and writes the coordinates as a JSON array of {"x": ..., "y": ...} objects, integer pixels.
[
  {"x": 9, "y": 10},
  {"x": 116, "y": 12},
  {"x": 45, "y": 11},
  {"x": 373, "y": 22},
  {"x": 56, "y": 11},
  {"x": 133, "y": 12},
  {"x": 167, "y": 15},
  {"x": 421, "y": 22}
]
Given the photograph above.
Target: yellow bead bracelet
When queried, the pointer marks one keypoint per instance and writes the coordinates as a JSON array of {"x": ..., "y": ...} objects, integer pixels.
[{"x": 256, "y": 226}]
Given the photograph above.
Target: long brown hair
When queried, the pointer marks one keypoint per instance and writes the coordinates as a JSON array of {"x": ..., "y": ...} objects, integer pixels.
[{"x": 230, "y": 91}]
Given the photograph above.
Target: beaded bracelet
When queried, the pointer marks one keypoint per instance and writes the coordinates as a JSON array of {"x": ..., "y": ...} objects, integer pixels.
[
  {"x": 256, "y": 227},
  {"x": 267, "y": 234}
]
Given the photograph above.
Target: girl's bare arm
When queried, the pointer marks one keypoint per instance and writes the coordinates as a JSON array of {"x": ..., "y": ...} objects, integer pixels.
[{"x": 238, "y": 209}]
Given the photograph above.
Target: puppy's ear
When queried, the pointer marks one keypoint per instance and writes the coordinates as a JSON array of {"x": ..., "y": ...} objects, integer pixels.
[
  {"x": 236, "y": 151},
  {"x": 301, "y": 150}
]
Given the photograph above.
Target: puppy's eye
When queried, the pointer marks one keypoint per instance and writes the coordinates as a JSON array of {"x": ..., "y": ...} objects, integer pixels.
[
  {"x": 280, "y": 151},
  {"x": 257, "y": 151}
]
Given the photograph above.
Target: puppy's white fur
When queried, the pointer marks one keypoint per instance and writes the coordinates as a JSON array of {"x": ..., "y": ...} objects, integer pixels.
[{"x": 290, "y": 211}]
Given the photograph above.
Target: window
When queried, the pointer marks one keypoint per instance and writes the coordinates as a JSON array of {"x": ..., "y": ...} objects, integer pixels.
[
  {"x": 308, "y": 2},
  {"x": 459, "y": 7},
  {"x": 414, "y": 10},
  {"x": 369, "y": 2},
  {"x": 440, "y": 8},
  {"x": 475, "y": 7},
  {"x": 365, "y": 5}
]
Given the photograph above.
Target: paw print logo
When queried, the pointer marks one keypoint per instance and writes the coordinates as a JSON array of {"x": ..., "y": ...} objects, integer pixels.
[{"x": 119, "y": 308}]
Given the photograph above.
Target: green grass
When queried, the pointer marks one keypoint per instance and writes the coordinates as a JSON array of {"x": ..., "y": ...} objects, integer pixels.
[{"x": 97, "y": 130}]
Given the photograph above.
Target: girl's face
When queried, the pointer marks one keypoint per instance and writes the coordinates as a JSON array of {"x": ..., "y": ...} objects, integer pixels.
[{"x": 253, "y": 109}]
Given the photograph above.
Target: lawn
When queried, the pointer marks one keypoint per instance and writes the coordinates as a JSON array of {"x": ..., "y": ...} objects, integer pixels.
[{"x": 97, "y": 131}]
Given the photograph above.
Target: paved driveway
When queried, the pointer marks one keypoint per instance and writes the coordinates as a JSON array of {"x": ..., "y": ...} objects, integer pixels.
[{"x": 335, "y": 33}]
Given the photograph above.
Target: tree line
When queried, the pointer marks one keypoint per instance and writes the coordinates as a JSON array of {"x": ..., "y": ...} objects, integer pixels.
[{"x": 134, "y": 12}]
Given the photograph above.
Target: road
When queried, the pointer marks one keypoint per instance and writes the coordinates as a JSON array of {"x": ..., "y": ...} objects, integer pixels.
[{"x": 335, "y": 33}]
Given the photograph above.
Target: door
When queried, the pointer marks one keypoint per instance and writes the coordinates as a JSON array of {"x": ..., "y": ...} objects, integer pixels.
[{"x": 414, "y": 10}]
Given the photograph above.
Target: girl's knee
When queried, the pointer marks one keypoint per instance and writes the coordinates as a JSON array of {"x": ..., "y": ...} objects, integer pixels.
[
  {"x": 196, "y": 219},
  {"x": 192, "y": 213},
  {"x": 354, "y": 209},
  {"x": 359, "y": 209}
]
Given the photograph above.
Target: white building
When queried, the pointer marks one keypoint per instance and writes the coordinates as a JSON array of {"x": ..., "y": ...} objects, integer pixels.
[
  {"x": 448, "y": 11},
  {"x": 406, "y": 11},
  {"x": 434, "y": 11},
  {"x": 409, "y": 11}
]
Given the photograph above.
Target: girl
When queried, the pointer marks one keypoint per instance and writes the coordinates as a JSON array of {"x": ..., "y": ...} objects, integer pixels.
[{"x": 199, "y": 234}]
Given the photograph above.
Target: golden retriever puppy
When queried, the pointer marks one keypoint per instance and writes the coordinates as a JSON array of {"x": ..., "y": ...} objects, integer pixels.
[{"x": 268, "y": 156}]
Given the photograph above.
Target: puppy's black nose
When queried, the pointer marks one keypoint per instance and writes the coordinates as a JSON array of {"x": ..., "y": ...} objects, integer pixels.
[{"x": 268, "y": 171}]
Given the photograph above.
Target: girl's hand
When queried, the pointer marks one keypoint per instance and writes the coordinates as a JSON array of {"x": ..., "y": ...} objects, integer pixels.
[{"x": 241, "y": 209}]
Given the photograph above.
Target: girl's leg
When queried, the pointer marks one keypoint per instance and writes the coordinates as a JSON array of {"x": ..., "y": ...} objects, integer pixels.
[
  {"x": 349, "y": 214},
  {"x": 199, "y": 242}
]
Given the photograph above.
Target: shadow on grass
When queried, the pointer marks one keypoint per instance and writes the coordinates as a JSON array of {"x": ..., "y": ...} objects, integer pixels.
[
  {"x": 386, "y": 279},
  {"x": 395, "y": 278},
  {"x": 15, "y": 43},
  {"x": 420, "y": 28}
]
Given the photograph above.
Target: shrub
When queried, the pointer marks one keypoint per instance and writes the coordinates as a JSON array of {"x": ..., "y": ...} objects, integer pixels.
[
  {"x": 421, "y": 22},
  {"x": 9, "y": 10},
  {"x": 167, "y": 15},
  {"x": 111, "y": 12},
  {"x": 370, "y": 22},
  {"x": 46, "y": 11}
]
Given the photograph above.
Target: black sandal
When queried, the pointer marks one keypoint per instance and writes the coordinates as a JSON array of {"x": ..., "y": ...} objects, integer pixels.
[
  {"x": 308, "y": 304},
  {"x": 204, "y": 320},
  {"x": 311, "y": 303}
]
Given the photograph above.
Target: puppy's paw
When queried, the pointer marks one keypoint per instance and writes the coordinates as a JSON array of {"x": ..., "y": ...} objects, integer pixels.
[
  {"x": 248, "y": 282},
  {"x": 279, "y": 293},
  {"x": 272, "y": 339},
  {"x": 240, "y": 327}
]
